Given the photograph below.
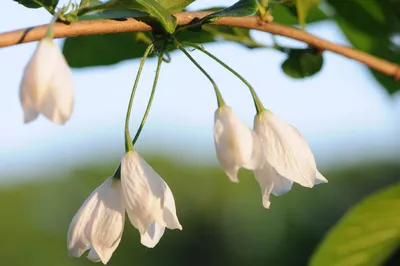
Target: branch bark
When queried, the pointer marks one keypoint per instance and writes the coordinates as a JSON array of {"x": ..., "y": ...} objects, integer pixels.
[{"x": 104, "y": 26}]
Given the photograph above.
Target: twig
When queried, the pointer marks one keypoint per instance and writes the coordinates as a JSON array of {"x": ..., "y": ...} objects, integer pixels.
[{"x": 103, "y": 26}]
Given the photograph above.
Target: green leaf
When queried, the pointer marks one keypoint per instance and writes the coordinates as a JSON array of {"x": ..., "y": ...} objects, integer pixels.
[
  {"x": 108, "y": 49},
  {"x": 162, "y": 15},
  {"x": 114, "y": 14},
  {"x": 175, "y": 5},
  {"x": 87, "y": 51},
  {"x": 238, "y": 35},
  {"x": 303, "y": 9},
  {"x": 241, "y": 8},
  {"x": 151, "y": 7},
  {"x": 114, "y": 6},
  {"x": 97, "y": 50},
  {"x": 366, "y": 236},
  {"x": 283, "y": 14},
  {"x": 196, "y": 37},
  {"x": 89, "y": 3},
  {"x": 48, "y": 4},
  {"x": 369, "y": 27},
  {"x": 302, "y": 63}
]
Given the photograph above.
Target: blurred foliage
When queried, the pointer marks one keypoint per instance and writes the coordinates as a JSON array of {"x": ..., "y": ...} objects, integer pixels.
[
  {"x": 223, "y": 223},
  {"x": 49, "y": 4},
  {"x": 367, "y": 235},
  {"x": 287, "y": 15},
  {"x": 303, "y": 63},
  {"x": 370, "y": 26},
  {"x": 304, "y": 7}
]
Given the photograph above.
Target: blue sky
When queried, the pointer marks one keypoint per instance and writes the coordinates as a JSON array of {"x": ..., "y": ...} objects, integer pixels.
[{"x": 342, "y": 111}]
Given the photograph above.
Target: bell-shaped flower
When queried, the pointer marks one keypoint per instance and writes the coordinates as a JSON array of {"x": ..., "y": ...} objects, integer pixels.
[
  {"x": 148, "y": 199},
  {"x": 288, "y": 158},
  {"x": 236, "y": 144},
  {"x": 46, "y": 85},
  {"x": 99, "y": 223}
]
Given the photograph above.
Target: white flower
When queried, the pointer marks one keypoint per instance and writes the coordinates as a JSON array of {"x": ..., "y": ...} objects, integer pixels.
[
  {"x": 236, "y": 144},
  {"x": 99, "y": 223},
  {"x": 288, "y": 158},
  {"x": 148, "y": 199},
  {"x": 46, "y": 85}
]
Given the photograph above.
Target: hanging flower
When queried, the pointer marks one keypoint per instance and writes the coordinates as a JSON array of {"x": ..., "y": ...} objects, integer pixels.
[
  {"x": 99, "y": 223},
  {"x": 148, "y": 199},
  {"x": 288, "y": 158},
  {"x": 236, "y": 144},
  {"x": 46, "y": 85}
]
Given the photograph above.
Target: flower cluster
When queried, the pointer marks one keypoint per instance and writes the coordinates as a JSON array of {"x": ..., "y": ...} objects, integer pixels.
[
  {"x": 147, "y": 199},
  {"x": 274, "y": 150}
]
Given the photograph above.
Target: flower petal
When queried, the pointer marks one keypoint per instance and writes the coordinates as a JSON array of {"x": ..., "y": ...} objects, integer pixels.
[
  {"x": 30, "y": 112},
  {"x": 320, "y": 179},
  {"x": 264, "y": 178},
  {"x": 99, "y": 223},
  {"x": 93, "y": 255},
  {"x": 46, "y": 86},
  {"x": 281, "y": 185},
  {"x": 58, "y": 103},
  {"x": 236, "y": 145},
  {"x": 78, "y": 240},
  {"x": 271, "y": 183},
  {"x": 169, "y": 210},
  {"x": 108, "y": 220},
  {"x": 285, "y": 149},
  {"x": 153, "y": 235},
  {"x": 146, "y": 194}
]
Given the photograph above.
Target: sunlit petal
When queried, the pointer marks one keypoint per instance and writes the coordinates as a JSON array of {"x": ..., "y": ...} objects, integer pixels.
[
  {"x": 148, "y": 198},
  {"x": 236, "y": 144},
  {"x": 285, "y": 149}
]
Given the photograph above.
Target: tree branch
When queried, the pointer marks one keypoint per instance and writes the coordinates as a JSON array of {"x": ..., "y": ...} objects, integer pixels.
[{"x": 104, "y": 26}]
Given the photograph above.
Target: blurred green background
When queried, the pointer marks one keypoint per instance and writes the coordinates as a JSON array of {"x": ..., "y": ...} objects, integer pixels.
[{"x": 223, "y": 223}]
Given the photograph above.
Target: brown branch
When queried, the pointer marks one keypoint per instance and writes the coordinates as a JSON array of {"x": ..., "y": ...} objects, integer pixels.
[{"x": 104, "y": 26}]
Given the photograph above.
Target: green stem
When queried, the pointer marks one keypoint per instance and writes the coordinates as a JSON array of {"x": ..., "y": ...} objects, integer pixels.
[
  {"x": 257, "y": 102},
  {"x": 50, "y": 30},
  {"x": 128, "y": 141},
  {"x": 220, "y": 100},
  {"x": 153, "y": 90}
]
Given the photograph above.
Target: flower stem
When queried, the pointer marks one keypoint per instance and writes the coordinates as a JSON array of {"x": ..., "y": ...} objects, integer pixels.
[
  {"x": 220, "y": 100},
  {"x": 153, "y": 90},
  {"x": 128, "y": 142},
  {"x": 257, "y": 102},
  {"x": 50, "y": 30}
]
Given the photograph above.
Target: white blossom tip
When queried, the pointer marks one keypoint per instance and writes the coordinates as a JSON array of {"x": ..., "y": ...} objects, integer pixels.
[
  {"x": 233, "y": 175},
  {"x": 266, "y": 202},
  {"x": 320, "y": 179}
]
